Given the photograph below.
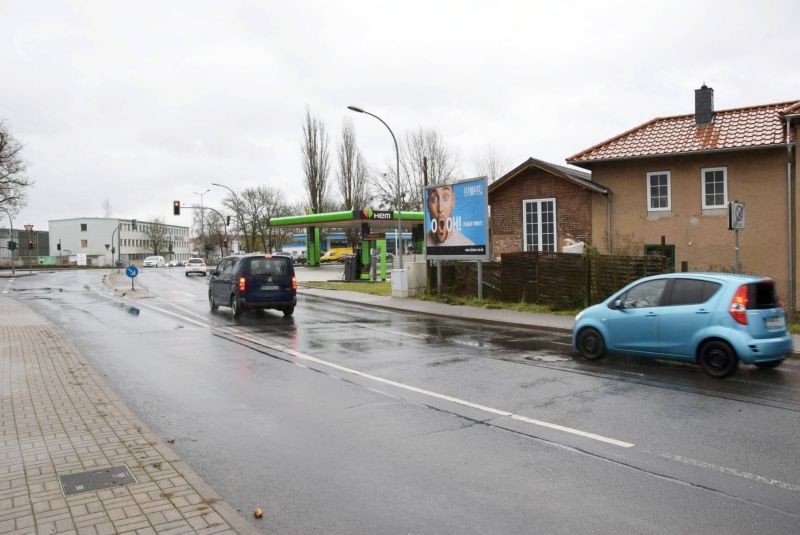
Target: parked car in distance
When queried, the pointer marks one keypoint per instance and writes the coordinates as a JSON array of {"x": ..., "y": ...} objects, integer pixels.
[
  {"x": 254, "y": 282},
  {"x": 174, "y": 263},
  {"x": 195, "y": 265},
  {"x": 345, "y": 257},
  {"x": 300, "y": 259},
  {"x": 715, "y": 320},
  {"x": 153, "y": 261}
]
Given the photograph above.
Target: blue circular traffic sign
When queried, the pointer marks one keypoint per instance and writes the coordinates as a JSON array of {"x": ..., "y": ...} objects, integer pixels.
[{"x": 131, "y": 271}]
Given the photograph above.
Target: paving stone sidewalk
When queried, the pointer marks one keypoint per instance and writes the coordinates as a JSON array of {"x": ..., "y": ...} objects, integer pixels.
[{"x": 57, "y": 417}]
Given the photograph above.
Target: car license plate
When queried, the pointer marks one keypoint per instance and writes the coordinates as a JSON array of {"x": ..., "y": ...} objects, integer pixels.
[
  {"x": 774, "y": 323},
  {"x": 270, "y": 287}
]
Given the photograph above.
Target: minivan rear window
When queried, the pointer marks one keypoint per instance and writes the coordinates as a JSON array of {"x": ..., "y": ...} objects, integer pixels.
[
  {"x": 268, "y": 266},
  {"x": 762, "y": 294}
]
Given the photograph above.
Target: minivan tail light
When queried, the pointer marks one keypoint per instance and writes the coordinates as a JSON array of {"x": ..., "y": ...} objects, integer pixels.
[
  {"x": 738, "y": 307},
  {"x": 242, "y": 284},
  {"x": 294, "y": 284}
]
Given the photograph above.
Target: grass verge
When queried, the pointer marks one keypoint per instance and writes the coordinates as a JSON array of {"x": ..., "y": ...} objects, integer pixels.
[{"x": 375, "y": 288}]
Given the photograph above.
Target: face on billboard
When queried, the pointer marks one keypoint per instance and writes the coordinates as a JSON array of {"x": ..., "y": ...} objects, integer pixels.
[{"x": 440, "y": 207}]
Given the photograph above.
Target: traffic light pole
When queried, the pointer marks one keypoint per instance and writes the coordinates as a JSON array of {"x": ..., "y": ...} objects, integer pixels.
[
  {"x": 176, "y": 210},
  {"x": 10, "y": 224}
]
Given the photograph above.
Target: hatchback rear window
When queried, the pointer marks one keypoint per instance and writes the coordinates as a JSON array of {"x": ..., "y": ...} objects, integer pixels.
[
  {"x": 762, "y": 295},
  {"x": 692, "y": 291},
  {"x": 268, "y": 266}
]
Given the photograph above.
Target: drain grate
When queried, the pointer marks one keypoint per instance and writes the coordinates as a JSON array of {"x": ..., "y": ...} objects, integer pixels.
[{"x": 103, "y": 478}]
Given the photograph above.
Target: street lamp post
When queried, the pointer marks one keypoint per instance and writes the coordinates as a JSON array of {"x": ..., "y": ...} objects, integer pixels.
[
  {"x": 202, "y": 218},
  {"x": 398, "y": 237},
  {"x": 235, "y": 204}
]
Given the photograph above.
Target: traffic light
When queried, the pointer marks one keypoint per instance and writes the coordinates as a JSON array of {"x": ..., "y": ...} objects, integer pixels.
[
  {"x": 225, "y": 241},
  {"x": 58, "y": 246},
  {"x": 11, "y": 245},
  {"x": 176, "y": 207},
  {"x": 113, "y": 250},
  {"x": 133, "y": 224},
  {"x": 228, "y": 222},
  {"x": 30, "y": 244}
]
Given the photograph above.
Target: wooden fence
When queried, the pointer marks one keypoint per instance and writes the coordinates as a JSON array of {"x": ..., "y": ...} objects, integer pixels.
[{"x": 560, "y": 280}]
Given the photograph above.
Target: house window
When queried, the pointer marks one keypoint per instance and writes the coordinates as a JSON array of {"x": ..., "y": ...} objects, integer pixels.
[
  {"x": 83, "y": 227},
  {"x": 84, "y": 244},
  {"x": 540, "y": 225},
  {"x": 658, "y": 192},
  {"x": 715, "y": 187}
]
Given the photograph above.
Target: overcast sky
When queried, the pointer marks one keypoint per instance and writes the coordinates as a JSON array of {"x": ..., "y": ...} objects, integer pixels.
[{"x": 140, "y": 103}]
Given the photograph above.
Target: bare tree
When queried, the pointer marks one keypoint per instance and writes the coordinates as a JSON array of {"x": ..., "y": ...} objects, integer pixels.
[
  {"x": 106, "y": 208},
  {"x": 156, "y": 233},
  {"x": 491, "y": 163},
  {"x": 13, "y": 182},
  {"x": 316, "y": 167},
  {"x": 415, "y": 148},
  {"x": 258, "y": 206},
  {"x": 352, "y": 170}
]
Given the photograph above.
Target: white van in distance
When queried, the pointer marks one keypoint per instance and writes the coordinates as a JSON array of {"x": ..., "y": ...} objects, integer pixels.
[{"x": 153, "y": 261}]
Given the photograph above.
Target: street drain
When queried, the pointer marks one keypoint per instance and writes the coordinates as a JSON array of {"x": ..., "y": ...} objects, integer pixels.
[
  {"x": 103, "y": 478},
  {"x": 549, "y": 358}
]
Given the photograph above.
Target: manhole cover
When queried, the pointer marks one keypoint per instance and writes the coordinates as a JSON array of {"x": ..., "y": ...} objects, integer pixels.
[{"x": 103, "y": 478}]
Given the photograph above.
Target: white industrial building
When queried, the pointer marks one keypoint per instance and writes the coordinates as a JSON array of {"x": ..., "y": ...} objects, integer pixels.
[{"x": 96, "y": 236}]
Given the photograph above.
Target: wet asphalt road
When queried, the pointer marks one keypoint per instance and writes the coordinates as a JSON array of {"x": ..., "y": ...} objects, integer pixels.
[{"x": 345, "y": 419}]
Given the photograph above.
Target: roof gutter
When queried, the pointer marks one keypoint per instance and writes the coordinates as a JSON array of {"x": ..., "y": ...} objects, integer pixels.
[
  {"x": 790, "y": 148},
  {"x": 585, "y": 163}
]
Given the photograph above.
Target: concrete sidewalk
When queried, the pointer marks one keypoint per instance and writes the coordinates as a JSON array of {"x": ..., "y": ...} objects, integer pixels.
[
  {"x": 57, "y": 417},
  {"x": 548, "y": 322}
]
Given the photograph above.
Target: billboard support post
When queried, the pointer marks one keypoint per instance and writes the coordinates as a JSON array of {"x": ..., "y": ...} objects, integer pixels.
[{"x": 480, "y": 280}]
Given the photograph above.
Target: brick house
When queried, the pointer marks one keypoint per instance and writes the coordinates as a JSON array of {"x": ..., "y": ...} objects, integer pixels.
[
  {"x": 538, "y": 206},
  {"x": 674, "y": 177}
]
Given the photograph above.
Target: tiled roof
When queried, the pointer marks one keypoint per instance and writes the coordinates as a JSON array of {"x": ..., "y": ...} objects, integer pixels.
[{"x": 731, "y": 129}]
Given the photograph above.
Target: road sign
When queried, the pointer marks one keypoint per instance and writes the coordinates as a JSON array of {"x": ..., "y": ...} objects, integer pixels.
[
  {"x": 736, "y": 215},
  {"x": 131, "y": 271},
  {"x": 29, "y": 227}
]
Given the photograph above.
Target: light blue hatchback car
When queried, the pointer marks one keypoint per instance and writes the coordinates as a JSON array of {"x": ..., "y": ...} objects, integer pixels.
[{"x": 713, "y": 319}]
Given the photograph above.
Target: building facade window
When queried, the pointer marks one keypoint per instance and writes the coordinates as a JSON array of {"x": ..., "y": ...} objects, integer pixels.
[
  {"x": 83, "y": 227},
  {"x": 659, "y": 193},
  {"x": 540, "y": 225},
  {"x": 84, "y": 244},
  {"x": 715, "y": 187}
]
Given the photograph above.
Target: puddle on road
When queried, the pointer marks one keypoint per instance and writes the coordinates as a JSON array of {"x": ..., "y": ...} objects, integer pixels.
[{"x": 548, "y": 358}]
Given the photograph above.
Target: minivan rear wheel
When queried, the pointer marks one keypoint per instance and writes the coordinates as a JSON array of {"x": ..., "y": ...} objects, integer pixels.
[
  {"x": 236, "y": 308},
  {"x": 717, "y": 359},
  {"x": 591, "y": 344},
  {"x": 288, "y": 311}
]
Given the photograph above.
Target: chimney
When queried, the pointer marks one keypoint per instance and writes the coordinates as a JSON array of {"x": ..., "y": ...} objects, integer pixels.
[{"x": 703, "y": 105}]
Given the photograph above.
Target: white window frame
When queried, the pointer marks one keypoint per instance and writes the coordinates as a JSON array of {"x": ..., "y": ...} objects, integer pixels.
[
  {"x": 669, "y": 192},
  {"x": 724, "y": 186},
  {"x": 525, "y": 203}
]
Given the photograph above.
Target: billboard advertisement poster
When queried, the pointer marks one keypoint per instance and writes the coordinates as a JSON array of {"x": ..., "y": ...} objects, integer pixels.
[{"x": 457, "y": 220}]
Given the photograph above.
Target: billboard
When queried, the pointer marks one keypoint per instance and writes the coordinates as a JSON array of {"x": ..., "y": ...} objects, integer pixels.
[{"x": 457, "y": 220}]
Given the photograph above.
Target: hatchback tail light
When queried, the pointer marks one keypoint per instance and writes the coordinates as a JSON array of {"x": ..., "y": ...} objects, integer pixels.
[
  {"x": 294, "y": 284},
  {"x": 242, "y": 284},
  {"x": 738, "y": 307}
]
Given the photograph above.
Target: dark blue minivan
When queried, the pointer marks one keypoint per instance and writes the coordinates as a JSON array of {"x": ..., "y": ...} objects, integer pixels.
[{"x": 255, "y": 281}]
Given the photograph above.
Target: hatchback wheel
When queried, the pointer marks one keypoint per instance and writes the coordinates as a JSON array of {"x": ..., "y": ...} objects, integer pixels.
[
  {"x": 591, "y": 344},
  {"x": 718, "y": 359},
  {"x": 213, "y": 304},
  {"x": 235, "y": 307},
  {"x": 769, "y": 365}
]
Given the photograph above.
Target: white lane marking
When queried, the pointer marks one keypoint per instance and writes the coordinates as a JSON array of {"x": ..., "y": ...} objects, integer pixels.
[
  {"x": 370, "y": 327},
  {"x": 444, "y": 397},
  {"x": 726, "y": 470},
  {"x": 498, "y": 412}
]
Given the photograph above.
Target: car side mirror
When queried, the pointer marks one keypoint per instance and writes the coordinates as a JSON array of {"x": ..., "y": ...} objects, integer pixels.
[
  {"x": 214, "y": 272},
  {"x": 619, "y": 305}
]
